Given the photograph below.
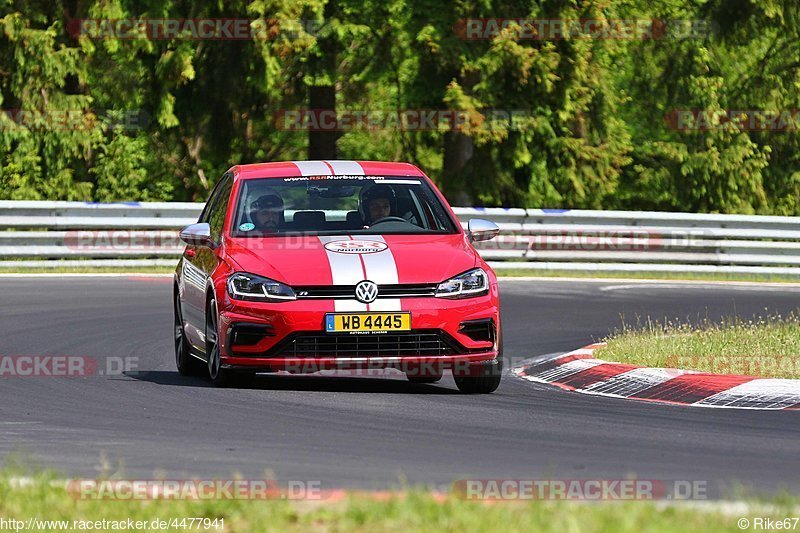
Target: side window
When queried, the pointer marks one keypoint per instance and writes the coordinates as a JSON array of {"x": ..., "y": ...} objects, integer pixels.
[
  {"x": 216, "y": 216},
  {"x": 210, "y": 202}
]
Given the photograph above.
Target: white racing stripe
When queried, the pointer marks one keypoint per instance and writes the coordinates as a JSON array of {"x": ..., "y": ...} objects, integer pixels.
[
  {"x": 313, "y": 168},
  {"x": 346, "y": 168},
  {"x": 323, "y": 168},
  {"x": 382, "y": 269},
  {"x": 347, "y": 269}
]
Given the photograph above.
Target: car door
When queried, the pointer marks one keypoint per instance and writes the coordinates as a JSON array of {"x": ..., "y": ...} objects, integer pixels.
[{"x": 200, "y": 261}]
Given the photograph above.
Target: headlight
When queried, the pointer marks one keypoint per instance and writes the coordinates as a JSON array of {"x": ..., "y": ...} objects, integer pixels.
[
  {"x": 472, "y": 283},
  {"x": 242, "y": 286}
]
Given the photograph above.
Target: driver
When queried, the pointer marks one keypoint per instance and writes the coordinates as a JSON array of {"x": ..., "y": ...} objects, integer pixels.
[
  {"x": 378, "y": 202},
  {"x": 267, "y": 213}
]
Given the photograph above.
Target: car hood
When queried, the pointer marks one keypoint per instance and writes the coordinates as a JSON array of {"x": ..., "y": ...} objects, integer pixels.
[{"x": 344, "y": 260}]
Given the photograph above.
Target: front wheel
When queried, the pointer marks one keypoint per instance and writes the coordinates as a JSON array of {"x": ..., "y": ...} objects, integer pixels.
[
  {"x": 184, "y": 362},
  {"x": 482, "y": 379},
  {"x": 220, "y": 377}
]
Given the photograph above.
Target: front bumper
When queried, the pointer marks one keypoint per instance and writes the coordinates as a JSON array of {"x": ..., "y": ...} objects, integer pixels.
[{"x": 261, "y": 336}]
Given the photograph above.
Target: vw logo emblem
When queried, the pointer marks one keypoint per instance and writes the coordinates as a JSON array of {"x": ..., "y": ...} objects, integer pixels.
[{"x": 366, "y": 292}]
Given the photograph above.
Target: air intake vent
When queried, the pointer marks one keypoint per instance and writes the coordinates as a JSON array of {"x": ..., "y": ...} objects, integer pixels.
[
  {"x": 250, "y": 334},
  {"x": 479, "y": 330}
]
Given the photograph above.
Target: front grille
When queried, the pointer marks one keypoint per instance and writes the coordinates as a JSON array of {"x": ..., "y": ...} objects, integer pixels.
[
  {"x": 407, "y": 343},
  {"x": 348, "y": 291}
]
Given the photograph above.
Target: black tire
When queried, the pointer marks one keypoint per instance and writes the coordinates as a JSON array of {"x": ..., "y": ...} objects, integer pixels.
[
  {"x": 221, "y": 377},
  {"x": 486, "y": 381},
  {"x": 184, "y": 362},
  {"x": 218, "y": 375},
  {"x": 482, "y": 379}
]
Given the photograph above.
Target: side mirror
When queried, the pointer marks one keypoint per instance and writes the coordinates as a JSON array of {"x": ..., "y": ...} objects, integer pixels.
[
  {"x": 198, "y": 235},
  {"x": 481, "y": 230}
]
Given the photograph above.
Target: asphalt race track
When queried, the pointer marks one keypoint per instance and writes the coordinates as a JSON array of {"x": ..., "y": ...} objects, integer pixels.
[{"x": 373, "y": 432}]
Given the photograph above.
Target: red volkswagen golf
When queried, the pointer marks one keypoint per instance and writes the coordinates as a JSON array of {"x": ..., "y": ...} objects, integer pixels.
[{"x": 311, "y": 266}]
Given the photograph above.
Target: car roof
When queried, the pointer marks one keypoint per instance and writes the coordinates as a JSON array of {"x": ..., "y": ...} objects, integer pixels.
[{"x": 287, "y": 169}]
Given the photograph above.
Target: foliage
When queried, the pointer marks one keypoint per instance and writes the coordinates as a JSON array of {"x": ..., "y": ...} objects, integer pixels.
[{"x": 569, "y": 122}]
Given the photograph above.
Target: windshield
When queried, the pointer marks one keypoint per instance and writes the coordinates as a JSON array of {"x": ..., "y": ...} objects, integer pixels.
[{"x": 339, "y": 205}]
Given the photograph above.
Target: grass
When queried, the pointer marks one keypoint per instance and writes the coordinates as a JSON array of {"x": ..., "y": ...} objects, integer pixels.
[
  {"x": 766, "y": 347},
  {"x": 415, "y": 510}
]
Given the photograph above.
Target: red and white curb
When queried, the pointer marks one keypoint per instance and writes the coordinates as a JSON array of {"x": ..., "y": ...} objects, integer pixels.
[{"x": 581, "y": 372}]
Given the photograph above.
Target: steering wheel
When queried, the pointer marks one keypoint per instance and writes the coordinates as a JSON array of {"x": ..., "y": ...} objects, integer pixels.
[{"x": 388, "y": 219}]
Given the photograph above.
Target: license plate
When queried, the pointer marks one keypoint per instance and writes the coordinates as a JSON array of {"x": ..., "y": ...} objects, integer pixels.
[{"x": 368, "y": 322}]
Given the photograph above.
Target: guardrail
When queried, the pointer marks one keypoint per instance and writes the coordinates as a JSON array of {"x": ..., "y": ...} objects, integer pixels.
[{"x": 48, "y": 234}]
